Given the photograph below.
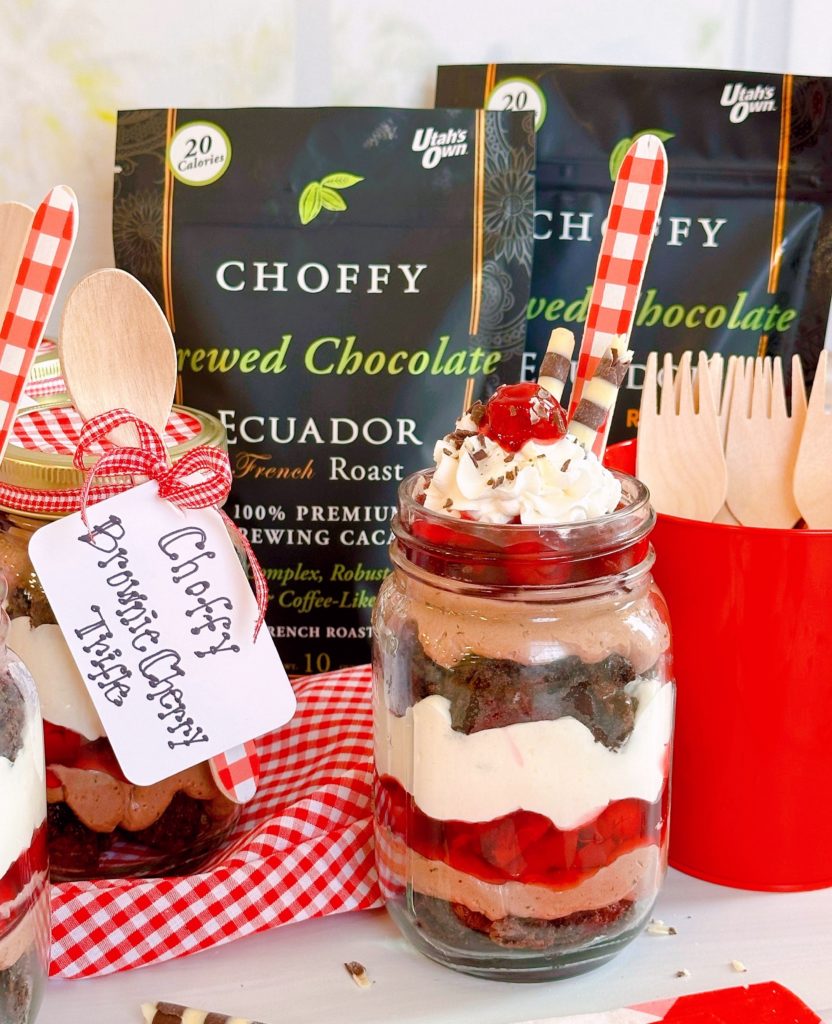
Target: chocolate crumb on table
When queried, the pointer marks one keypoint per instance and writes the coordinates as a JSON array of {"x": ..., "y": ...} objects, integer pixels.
[{"x": 358, "y": 973}]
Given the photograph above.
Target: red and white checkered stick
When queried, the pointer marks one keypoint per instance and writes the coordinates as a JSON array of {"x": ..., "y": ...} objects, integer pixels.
[
  {"x": 634, "y": 209},
  {"x": 237, "y": 771},
  {"x": 45, "y": 257}
]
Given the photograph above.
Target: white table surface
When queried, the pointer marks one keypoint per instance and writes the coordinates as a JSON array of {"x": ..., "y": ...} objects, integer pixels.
[{"x": 295, "y": 975}]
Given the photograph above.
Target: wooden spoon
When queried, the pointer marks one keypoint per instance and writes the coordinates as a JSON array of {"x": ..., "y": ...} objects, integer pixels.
[
  {"x": 15, "y": 222},
  {"x": 117, "y": 351}
]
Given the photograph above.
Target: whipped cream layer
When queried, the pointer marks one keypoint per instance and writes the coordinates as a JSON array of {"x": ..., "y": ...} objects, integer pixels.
[
  {"x": 555, "y": 768},
  {"x": 22, "y": 795},
  {"x": 556, "y": 482},
  {"x": 64, "y": 699}
]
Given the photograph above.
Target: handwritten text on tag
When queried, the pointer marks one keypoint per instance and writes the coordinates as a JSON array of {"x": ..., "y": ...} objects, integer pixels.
[{"x": 159, "y": 616}]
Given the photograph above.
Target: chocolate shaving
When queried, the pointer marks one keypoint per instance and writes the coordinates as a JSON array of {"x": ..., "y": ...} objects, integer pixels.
[
  {"x": 358, "y": 973},
  {"x": 613, "y": 369},
  {"x": 477, "y": 412},
  {"x": 478, "y": 456},
  {"x": 448, "y": 503},
  {"x": 565, "y": 466},
  {"x": 458, "y": 437}
]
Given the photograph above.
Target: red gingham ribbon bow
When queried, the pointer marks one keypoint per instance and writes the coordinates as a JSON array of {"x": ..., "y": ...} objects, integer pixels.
[{"x": 176, "y": 482}]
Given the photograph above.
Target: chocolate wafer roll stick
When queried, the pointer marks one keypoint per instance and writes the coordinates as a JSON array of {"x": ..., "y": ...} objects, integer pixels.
[
  {"x": 594, "y": 410},
  {"x": 557, "y": 362},
  {"x": 173, "y": 1013}
]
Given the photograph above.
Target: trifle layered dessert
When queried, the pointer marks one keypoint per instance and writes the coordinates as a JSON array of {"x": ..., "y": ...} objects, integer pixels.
[
  {"x": 99, "y": 823},
  {"x": 523, "y": 700},
  {"x": 24, "y": 896}
]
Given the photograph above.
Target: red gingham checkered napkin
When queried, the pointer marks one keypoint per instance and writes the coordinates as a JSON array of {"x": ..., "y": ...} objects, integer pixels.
[
  {"x": 302, "y": 849},
  {"x": 634, "y": 207},
  {"x": 47, "y": 252},
  {"x": 58, "y": 431}
]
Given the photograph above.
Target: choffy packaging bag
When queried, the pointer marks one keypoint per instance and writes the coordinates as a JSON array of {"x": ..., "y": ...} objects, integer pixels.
[
  {"x": 337, "y": 280},
  {"x": 741, "y": 259}
]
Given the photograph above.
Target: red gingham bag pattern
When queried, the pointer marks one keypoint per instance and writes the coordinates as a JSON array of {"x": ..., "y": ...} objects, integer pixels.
[
  {"x": 303, "y": 849},
  {"x": 634, "y": 207},
  {"x": 58, "y": 432}
]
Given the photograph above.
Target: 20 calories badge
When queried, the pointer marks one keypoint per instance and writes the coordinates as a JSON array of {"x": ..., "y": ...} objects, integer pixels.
[{"x": 160, "y": 618}]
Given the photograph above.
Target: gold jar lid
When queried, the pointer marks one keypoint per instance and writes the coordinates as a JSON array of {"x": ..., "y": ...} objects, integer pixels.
[
  {"x": 42, "y": 445},
  {"x": 46, "y": 364},
  {"x": 45, "y": 378}
]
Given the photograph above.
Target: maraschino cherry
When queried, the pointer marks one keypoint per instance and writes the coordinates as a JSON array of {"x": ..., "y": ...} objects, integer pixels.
[{"x": 517, "y": 413}]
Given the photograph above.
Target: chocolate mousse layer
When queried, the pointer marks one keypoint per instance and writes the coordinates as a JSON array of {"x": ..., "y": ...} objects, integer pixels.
[
  {"x": 453, "y": 624},
  {"x": 625, "y": 880},
  {"x": 187, "y": 832},
  {"x": 487, "y": 693},
  {"x": 101, "y": 825},
  {"x": 103, "y": 803}
]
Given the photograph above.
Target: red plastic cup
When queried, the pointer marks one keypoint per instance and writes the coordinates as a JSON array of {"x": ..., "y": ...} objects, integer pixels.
[{"x": 752, "y": 762}]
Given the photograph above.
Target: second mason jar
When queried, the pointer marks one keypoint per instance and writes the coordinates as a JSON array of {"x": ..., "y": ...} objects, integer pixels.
[
  {"x": 523, "y": 712},
  {"x": 99, "y": 824}
]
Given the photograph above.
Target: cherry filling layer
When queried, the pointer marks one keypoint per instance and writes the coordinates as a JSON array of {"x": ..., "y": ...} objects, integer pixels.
[
  {"x": 523, "y": 846},
  {"x": 19, "y": 877}
]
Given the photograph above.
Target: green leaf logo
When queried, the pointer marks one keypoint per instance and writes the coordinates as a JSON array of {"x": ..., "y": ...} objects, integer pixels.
[
  {"x": 310, "y": 202},
  {"x": 324, "y": 195},
  {"x": 332, "y": 200},
  {"x": 341, "y": 179},
  {"x": 619, "y": 150}
]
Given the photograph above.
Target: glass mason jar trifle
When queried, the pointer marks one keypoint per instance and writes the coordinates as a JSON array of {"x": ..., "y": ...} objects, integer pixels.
[
  {"x": 99, "y": 824},
  {"x": 24, "y": 886},
  {"x": 523, "y": 709}
]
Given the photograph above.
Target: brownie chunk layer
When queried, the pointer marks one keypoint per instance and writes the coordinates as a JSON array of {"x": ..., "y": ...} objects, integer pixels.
[{"x": 487, "y": 693}]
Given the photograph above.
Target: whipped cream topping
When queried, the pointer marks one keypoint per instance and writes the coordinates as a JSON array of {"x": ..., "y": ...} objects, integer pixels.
[
  {"x": 556, "y": 768},
  {"x": 22, "y": 794},
  {"x": 555, "y": 482},
  {"x": 64, "y": 699}
]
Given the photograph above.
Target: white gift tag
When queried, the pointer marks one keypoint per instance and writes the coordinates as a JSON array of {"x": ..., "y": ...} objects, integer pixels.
[{"x": 159, "y": 616}]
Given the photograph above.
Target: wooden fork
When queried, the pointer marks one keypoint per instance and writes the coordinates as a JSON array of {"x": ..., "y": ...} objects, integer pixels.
[
  {"x": 762, "y": 443},
  {"x": 722, "y": 384},
  {"x": 679, "y": 453},
  {"x": 813, "y": 470}
]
